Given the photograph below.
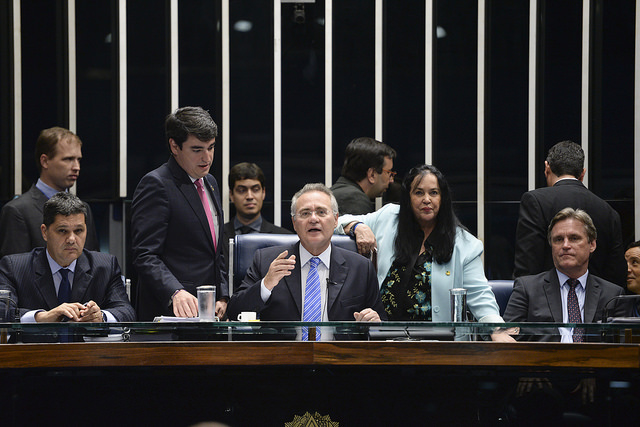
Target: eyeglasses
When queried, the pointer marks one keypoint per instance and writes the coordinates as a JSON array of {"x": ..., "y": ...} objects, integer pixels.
[
  {"x": 392, "y": 174},
  {"x": 306, "y": 214}
]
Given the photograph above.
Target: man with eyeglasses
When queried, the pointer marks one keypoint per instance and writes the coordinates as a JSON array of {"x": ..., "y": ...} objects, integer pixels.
[
  {"x": 366, "y": 174},
  {"x": 313, "y": 280}
]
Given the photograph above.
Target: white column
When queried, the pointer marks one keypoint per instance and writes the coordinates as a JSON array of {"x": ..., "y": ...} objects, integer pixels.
[
  {"x": 277, "y": 113},
  {"x": 328, "y": 92},
  {"x": 17, "y": 98},
  {"x": 378, "y": 77},
  {"x": 636, "y": 129},
  {"x": 480, "y": 116},
  {"x": 533, "y": 40},
  {"x": 226, "y": 111},
  {"x": 174, "y": 61},
  {"x": 122, "y": 96},
  {"x": 428, "y": 82},
  {"x": 584, "y": 104}
]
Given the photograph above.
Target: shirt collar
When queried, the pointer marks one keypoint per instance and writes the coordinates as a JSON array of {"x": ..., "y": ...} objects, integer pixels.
[
  {"x": 46, "y": 190},
  {"x": 562, "y": 278},
  {"x": 325, "y": 256},
  {"x": 55, "y": 267},
  {"x": 255, "y": 225}
]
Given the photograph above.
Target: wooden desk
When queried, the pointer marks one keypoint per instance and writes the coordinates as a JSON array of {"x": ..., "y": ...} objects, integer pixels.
[
  {"x": 338, "y": 353},
  {"x": 270, "y": 383}
]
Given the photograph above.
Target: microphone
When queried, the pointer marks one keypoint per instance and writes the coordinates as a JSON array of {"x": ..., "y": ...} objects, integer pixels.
[
  {"x": 605, "y": 309},
  {"x": 331, "y": 282}
]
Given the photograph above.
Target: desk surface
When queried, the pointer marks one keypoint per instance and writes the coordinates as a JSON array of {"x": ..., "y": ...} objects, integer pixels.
[{"x": 342, "y": 353}]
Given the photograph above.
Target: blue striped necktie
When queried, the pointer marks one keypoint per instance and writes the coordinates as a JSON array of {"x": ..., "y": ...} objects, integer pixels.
[{"x": 312, "y": 299}]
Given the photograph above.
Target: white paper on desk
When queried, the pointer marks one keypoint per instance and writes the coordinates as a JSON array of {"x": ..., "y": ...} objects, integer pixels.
[{"x": 170, "y": 319}]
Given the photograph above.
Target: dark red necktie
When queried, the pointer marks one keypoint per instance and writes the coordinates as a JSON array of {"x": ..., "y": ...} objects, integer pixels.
[{"x": 573, "y": 308}]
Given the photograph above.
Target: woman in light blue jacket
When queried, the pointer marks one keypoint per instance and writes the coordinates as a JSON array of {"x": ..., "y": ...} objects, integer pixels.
[{"x": 423, "y": 252}]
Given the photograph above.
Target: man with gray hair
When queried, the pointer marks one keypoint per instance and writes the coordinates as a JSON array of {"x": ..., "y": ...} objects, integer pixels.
[
  {"x": 564, "y": 171},
  {"x": 313, "y": 280}
]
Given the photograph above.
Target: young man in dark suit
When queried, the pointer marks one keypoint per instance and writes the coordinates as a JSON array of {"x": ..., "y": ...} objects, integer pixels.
[
  {"x": 58, "y": 154},
  {"x": 282, "y": 280},
  {"x": 176, "y": 223},
  {"x": 64, "y": 282},
  {"x": 564, "y": 170},
  {"x": 247, "y": 192}
]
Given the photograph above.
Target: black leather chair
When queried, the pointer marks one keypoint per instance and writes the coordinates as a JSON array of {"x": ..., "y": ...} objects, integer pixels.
[
  {"x": 502, "y": 290},
  {"x": 243, "y": 246}
]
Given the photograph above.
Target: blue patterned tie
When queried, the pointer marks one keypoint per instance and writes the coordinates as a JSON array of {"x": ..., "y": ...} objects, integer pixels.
[
  {"x": 64, "y": 292},
  {"x": 573, "y": 308},
  {"x": 312, "y": 299}
]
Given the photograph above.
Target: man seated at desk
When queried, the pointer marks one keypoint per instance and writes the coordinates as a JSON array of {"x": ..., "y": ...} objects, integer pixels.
[
  {"x": 632, "y": 255},
  {"x": 313, "y": 280},
  {"x": 62, "y": 281},
  {"x": 567, "y": 293}
]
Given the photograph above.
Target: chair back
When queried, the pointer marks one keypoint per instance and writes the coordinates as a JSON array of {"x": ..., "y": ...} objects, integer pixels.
[
  {"x": 244, "y": 246},
  {"x": 502, "y": 290}
]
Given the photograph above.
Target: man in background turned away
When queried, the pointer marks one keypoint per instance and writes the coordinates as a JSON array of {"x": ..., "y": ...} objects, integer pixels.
[{"x": 564, "y": 170}]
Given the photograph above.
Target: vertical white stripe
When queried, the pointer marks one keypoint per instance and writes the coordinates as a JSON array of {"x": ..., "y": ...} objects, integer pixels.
[
  {"x": 175, "y": 80},
  {"x": 636, "y": 128},
  {"x": 122, "y": 95},
  {"x": 584, "y": 125},
  {"x": 17, "y": 98},
  {"x": 480, "y": 116},
  {"x": 71, "y": 47},
  {"x": 428, "y": 82},
  {"x": 533, "y": 43},
  {"x": 226, "y": 119},
  {"x": 378, "y": 71},
  {"x": 378, "y": 77},
  {"x": 71, "y": 31},
  {"x": 328, "y": 91},
  {"x": 277, "y": 113}
]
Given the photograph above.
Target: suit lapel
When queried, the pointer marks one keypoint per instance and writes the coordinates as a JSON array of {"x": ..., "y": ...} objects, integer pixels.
[
  {"x": 552, "y": 292},
  {"x": 337, "y": 275},
  {"x": 81, "y": 278},
  {"x": 591, "y": 298},
  {"x": 44, "y": 281},
  {"x": 188, "y": 190},
  {"x": 294, "y": 282}
]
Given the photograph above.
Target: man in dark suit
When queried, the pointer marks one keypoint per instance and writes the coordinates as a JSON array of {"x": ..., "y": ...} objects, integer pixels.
[
  {"x": 564, "y": 170},
  {"x": 247, "y": 192},
  {"x": 176, "y": 223},
  {"x": 569, "y": 293},
  {"x": 317, "y": 279},
  {"x": 63, "y": 282},
  {"x": 552, "y": 296},
  {"x": 58, "y": 153}
]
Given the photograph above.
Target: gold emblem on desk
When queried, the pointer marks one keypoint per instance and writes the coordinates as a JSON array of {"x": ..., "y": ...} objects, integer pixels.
[{"x": 308, "y": 420}]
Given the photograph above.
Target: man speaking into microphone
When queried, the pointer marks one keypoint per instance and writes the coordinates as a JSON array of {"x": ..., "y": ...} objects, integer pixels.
[{"x": 313, "y": 280}]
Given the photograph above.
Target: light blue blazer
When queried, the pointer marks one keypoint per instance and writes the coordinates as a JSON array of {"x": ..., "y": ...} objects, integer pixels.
[{"x": 464, "y": 270}]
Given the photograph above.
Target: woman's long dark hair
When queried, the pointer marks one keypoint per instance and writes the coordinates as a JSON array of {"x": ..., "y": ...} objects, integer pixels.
[{"x": 410, "y": 235}]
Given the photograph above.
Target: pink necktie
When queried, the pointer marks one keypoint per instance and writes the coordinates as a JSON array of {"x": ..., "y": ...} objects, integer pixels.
[{"x": 207, "y": 210}]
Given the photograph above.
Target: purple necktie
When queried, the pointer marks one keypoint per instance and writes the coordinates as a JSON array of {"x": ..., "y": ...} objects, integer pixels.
[{"x": 573, "y": 308}]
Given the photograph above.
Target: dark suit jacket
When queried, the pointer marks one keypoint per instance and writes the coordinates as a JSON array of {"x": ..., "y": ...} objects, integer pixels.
[
  {"x": 266, "y": 227},
  {"x": 20, "y": 222},
  {"x": 354, "y": 288},
  {"x": 537, "y": 299},
  {"x": 172, "y": 245},
  {"x": 538, "y": 207},
  {"x": 97, "y": 277}
]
